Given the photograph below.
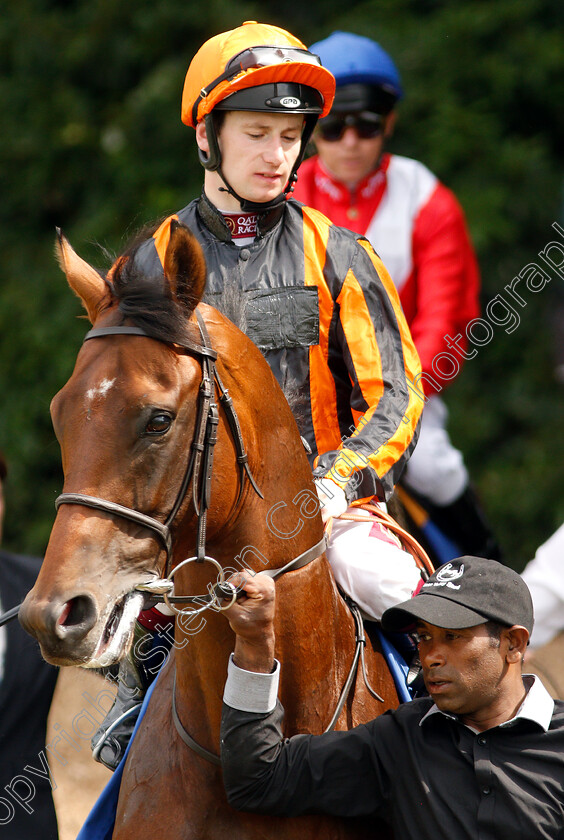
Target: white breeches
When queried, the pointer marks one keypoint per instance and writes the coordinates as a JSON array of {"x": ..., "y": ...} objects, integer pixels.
[
  {"x": 375, "y": 573},
  {"x": 544, "y": 575},
  {"x": 436, "y": 469}
]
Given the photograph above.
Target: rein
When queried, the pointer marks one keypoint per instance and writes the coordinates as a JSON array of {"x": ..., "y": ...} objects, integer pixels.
[
  {"x": 360, "y": 645},
  {"x": 425, "y": 566}
]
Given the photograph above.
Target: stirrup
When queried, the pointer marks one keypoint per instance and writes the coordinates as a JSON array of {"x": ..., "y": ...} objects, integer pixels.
[
  {"x": 110, "y": 740},
  {"x": 109, "y": 748}
]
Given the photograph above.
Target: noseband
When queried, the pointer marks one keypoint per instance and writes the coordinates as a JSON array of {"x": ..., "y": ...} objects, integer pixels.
[{"x": 198, "y": 471}]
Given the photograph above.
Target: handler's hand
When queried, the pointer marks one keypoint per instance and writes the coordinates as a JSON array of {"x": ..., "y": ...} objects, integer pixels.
[{"x": 252, "y": 620}]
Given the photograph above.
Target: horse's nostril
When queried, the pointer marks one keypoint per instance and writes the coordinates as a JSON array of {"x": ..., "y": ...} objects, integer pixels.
[
  {"x": 62, "y": 619},
  {"x": 76, "y": 618}
]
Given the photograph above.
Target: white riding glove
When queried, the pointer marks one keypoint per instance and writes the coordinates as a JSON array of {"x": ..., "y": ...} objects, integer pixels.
[{"x": 331, "y": 497}]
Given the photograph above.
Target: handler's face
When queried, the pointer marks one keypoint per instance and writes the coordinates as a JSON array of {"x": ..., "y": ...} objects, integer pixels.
[{"x": 462, "y": 669}]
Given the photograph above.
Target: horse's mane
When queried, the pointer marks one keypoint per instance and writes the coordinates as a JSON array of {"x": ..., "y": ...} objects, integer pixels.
[{"x": 145, "y": 298}]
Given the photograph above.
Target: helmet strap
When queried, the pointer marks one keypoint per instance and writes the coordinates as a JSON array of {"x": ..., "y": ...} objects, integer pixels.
[
  {"x": 252, "y": 206},
  {"x": 211, "y": 160}
]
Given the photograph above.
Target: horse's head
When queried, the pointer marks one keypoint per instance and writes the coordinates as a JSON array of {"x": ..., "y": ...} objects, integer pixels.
[
  {"x": 124, "y": 421},
  {"x": 129, "y": 423}
]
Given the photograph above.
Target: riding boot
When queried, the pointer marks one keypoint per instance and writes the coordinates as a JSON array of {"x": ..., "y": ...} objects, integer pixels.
[
  {"x": 464, "y": 522},
  {"x": 152, "y": 640}
]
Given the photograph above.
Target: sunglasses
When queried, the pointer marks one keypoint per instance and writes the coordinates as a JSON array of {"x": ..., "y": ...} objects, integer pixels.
[{"x": 366, "y": 125}]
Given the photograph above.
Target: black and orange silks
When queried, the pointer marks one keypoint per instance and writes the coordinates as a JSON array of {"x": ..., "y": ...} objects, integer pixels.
[{"x": 321, "y": 307}]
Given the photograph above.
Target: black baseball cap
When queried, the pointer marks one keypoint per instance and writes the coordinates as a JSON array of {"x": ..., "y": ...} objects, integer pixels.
[{"x": 463, "y": 593}]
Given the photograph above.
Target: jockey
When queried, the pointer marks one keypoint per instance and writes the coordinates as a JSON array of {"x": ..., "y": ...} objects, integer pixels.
[
  {"x": 317, "y": 301},
  {"x": 417, "y": 227}
]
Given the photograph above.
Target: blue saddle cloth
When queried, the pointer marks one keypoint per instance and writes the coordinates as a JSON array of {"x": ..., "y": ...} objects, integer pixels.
[
  {"x": 398, "y": 667},
  {"x": 100, "y": 821}
]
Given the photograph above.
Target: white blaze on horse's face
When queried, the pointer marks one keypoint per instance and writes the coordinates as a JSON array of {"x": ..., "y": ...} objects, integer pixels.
[
  {"x": 100, "y": 390},
  {"x": 122, "y": 421}
]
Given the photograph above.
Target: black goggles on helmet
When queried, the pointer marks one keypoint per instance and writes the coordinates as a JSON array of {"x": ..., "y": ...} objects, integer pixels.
[{"x": 366, "y": 124}]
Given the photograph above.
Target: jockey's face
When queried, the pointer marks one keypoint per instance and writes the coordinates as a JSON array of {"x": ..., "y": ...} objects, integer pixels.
[
  {"x": 258, "y": 152},
  {"x": 352, "y": 157}
]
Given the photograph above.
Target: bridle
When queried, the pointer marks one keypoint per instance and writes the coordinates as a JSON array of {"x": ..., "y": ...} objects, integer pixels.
[{"x": 198, "y": 472}]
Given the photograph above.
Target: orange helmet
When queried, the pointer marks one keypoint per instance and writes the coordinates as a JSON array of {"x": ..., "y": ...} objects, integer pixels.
[
  {"x": 256, "y": 67},
  {"x": 253, "y": 54}
]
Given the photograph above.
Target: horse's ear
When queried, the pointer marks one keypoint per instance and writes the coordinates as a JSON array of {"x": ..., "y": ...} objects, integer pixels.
[
  {"x": 82, "y": 278},
  {"x": 185, "y": 266}
]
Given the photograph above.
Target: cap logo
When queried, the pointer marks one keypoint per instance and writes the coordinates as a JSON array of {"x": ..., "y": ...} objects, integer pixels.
[
  {"x": 446, "y": 577},
  {"x": 290, "y": 102}
]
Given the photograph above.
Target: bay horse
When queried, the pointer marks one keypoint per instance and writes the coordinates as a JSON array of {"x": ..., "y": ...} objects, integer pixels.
[{"x": 128, "y": 421}]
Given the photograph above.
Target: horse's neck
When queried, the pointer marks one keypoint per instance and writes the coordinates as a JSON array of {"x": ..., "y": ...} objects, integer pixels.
[{"x": 264, "y": 533}]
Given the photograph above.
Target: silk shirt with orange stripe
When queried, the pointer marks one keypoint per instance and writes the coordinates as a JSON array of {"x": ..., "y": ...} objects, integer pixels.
[{"x": 321, "y": 307}]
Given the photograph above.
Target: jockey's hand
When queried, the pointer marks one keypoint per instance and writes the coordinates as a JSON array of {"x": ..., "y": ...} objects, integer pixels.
[
  {"x": 331, "y": 497},
  {"x": 252, "y": 620}
]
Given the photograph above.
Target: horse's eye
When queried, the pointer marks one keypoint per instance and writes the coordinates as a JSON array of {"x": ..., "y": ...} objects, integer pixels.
[{"x": 158, "y": 424}]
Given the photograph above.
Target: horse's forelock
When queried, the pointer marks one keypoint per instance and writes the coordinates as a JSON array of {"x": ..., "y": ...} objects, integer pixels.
[{"x": 147, "y": 302}]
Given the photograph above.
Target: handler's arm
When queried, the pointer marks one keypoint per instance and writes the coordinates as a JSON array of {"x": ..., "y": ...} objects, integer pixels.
[
  {"x": 336, "y": 773},
  {"x": 252, "y": 620}
]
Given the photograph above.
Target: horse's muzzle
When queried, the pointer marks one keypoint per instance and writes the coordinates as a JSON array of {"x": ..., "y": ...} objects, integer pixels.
[{"x": 60, "y": 627}]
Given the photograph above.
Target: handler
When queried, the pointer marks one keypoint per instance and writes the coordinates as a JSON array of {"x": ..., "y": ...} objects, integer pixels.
[
  {"x": 481, "y": 757},
  {"x": 315, "y": 299}
]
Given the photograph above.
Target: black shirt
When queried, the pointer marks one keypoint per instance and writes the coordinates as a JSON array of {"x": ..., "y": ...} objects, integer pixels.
[
  {"x": 26, "y": 691},
  {"x": 428, "y": 775}
]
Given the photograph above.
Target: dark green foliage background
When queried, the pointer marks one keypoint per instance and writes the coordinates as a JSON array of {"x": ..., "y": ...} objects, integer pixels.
[{"x": 91, "y": 141}]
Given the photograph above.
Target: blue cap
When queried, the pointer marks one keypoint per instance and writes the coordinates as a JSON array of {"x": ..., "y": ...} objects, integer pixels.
[{"x": 354, "y": 59}]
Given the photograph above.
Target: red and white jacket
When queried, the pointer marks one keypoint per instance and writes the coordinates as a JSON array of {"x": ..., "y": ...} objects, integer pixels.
[{"x": 417, "y": 227}]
